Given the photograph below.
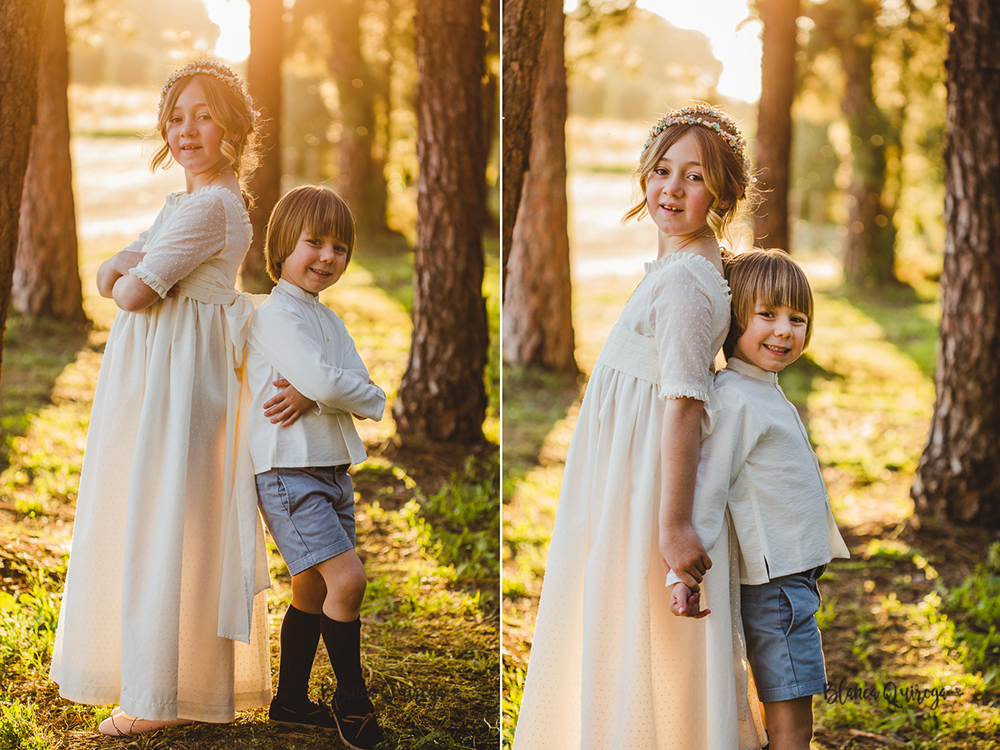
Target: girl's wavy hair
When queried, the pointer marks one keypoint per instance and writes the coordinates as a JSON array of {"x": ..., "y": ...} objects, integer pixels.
[
  {"x": 240, "y": 137},
  {"x": 725, "y": 175},
  {"x": 769, "y": 277},
  {"x": 312, "y": 208}
]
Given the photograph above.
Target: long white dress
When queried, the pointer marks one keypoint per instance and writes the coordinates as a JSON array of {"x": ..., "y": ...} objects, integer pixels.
[
  {"x": 610, "y": 666},
  {"x": 163, "y": 610}
]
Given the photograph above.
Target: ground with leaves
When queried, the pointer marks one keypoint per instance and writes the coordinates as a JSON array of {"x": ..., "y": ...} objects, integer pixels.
[
  {"x": 427, "y": 525},
  {"x": 910, "y": 621}
]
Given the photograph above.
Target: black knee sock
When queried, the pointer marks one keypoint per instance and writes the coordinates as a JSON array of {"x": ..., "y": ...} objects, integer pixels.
[
  {"x": 343, "y": 643},
  {"x": 299, "y": 639}
]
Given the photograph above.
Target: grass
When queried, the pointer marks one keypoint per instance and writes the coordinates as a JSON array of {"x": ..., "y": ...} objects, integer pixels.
[
  {"x": 910, "y": 621},
  {"x": 427, "y": 528}
]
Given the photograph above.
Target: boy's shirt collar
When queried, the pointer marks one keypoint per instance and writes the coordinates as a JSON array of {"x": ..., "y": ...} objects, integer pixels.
[
  {"x": 297, "y": 292},
  {"x": 751, "y": 371}
]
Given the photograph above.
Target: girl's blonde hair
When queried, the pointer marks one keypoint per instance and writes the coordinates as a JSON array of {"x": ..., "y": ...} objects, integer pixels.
[
  {"x": 231, "y": 110},
  {"x": 726, "y": 176},
  {"x": 769, "y": 277},
  {"x": 312, "y": 208}
]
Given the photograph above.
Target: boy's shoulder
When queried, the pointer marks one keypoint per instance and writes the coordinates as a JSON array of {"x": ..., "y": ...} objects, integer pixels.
[{"x": 280, "y": 308}]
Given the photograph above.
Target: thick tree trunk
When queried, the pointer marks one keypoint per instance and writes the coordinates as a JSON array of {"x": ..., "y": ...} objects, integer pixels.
[
  {"x": 774, "y": 121},
  {"x": 47, "y": 268},
  {"x": 537, "y": 311},
  {"x": 869, "y": 254},
  {"x": 362, "y": 179},
  {"x": 523, "y": 25},
  {"x": 957, "y": 477},
  {"x": 20, "y": 33},
  {"x": 264, "y": 82},
  {"x": 442, "y": 397}
]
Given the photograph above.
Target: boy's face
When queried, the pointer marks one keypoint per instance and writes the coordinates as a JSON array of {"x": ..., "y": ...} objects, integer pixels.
[
  {"x": 316, "y": 263},
  {"x": 774, "y": 337}
]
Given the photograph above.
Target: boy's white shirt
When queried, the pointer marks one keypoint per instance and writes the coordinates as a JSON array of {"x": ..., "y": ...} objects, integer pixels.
[
  {"x": 296, "y": 337},
  {"x": 759, "y": 462}
]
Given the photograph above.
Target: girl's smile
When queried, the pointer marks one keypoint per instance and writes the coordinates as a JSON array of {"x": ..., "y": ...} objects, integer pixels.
[
  {"x": 677, "y": 197},
  {"x": 195, "y": 138}
]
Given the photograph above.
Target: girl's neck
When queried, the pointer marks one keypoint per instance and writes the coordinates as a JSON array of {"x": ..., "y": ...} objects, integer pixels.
[
  {"x": 223, "y": 176},
  {"x": 703, "y": 243}
]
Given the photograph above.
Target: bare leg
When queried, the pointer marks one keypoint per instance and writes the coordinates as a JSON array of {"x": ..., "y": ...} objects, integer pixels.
[
  {"x": 345, "y": 580},
  {"x": 308, "y": 591},
  {"x": 790, "y": 723}
]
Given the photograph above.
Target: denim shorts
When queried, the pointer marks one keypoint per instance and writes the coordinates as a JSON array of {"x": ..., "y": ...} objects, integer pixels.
[
  {"x": 783, "y": 641},
  {"x": 309, "y": 512}
]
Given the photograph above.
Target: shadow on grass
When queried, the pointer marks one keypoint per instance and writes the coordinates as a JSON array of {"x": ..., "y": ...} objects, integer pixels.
[
  {"x": 36, "y": 351},
  {"x": 905, "y": 316}
]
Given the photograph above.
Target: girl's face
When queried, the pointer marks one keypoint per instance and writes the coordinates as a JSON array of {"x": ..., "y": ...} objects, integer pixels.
[
  {"x": 774, "y": 337},
  {"x": 316, "y": 263},
  {"x": 677, "y": 197},
  {"x": 193, "y": 136}
]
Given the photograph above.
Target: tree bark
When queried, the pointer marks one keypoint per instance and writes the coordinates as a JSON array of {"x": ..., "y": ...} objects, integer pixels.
[
  {"x": 537, "y": 310},
  {"x": 442, "y": 398},
  {"x": 523, "y": 25},
  {"x": 264, "y": 81},
  {"x": 957, "y": 477},
  {"x": 20, "y": 32},
  {"x": 47, "y": 267},
  {"x": 362, "y": 178},
  {"x": 869, "y": 253},
  {"x": 774, "y": 117}
]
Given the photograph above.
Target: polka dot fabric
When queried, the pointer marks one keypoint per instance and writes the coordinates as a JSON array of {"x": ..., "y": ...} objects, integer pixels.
[
  {"x": 610, "y": 666},
  {"x": 140, "y": 614}
]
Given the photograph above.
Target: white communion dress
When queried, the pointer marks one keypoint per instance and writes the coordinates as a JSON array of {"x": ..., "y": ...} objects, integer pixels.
[
  {"x": 610, "y": 666},
  {"x": 164, "y": 610}
]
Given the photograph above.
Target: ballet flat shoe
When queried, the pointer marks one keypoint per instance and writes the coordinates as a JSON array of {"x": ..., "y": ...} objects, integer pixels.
[{"x": 121, "y": 724}]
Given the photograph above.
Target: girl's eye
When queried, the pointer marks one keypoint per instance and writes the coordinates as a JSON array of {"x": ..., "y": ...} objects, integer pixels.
[
  {"x": 695, "y": 177},
  {"x": 661, "y": 171}
]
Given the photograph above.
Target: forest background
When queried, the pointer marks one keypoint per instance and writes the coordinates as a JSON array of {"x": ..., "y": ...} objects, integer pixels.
[
  {"x": 348, "y": 101},
  {"x": 909, "y": 622}
]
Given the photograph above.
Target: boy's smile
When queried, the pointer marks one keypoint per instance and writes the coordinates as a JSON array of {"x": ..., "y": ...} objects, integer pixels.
[
  {"x": 774, "y": 337},
  {"x": 316, "y": 263}
]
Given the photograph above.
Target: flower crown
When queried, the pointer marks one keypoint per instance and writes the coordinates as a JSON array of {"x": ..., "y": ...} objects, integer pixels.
[
  {"x": 215, "y": 69},
  {"x": 721, "y": 124}
]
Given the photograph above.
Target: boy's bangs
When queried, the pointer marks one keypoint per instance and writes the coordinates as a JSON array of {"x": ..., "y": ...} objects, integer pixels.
[
  {"x": 784, "y": 286},
  {"x": 332, "y": 219}
]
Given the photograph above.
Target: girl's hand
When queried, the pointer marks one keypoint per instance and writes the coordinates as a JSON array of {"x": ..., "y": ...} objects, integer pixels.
[
  {"x": 686, "y": 603},
  {"x": 684, "y": 554},
  {"x": 288, "y": 405}
]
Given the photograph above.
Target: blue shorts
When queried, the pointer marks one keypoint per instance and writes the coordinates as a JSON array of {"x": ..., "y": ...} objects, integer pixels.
[
  {"x": 309, "y": 512},
  {"x": 783, "y": 641}
]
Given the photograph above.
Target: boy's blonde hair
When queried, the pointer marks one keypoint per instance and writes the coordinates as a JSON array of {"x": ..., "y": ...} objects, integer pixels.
[
  {"x": 231, "y": 110},
  {"x": 310, "y": 207},
  {"x": 725, "y": 174},
  {"x": 770, "y": 277}
]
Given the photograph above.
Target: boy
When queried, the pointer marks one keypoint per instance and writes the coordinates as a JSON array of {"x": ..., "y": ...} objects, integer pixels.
[
  {"x": 758, "y": 461},
  {"x": 306, "y": 380}
]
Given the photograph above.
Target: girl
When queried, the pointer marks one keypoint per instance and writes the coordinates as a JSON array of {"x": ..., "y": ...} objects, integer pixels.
[
  {"x": 610, "y": 666},
  {"x": 161, "y": 610}
]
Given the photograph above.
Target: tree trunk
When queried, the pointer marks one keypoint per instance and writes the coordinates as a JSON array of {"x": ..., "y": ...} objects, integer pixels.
[
  {"x": 869, "y": 255},
  {"x": 20, "y": 32},
  {"x": 264, "y": 82},
  {"x": 537, "y": 311},
  {"x": 362, "y": 179},
  {"x": 442, "y": 397},
  {"x": 774, "y": 128},
  {"x": 957, "y": 477},
  {"x": 47, "y": 268},
  {"x": 523, "y": 26}
]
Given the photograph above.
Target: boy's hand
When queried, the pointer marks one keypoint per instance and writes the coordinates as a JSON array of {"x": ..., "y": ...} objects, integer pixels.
[
  {"x": 288, "y": 405},
  {"x": 686, "y": 603},
  {"x": 684, "y": 554}
]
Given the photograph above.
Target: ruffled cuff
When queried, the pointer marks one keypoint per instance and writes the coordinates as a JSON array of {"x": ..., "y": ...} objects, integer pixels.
[
  {"x": 151, "y": 280},
  {"x": 672, "y": 390}
]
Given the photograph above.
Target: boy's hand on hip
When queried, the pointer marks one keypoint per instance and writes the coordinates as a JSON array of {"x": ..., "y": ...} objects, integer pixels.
[
  {"x": 286, "y": 407},
  {"x": 684, "y": 554}
]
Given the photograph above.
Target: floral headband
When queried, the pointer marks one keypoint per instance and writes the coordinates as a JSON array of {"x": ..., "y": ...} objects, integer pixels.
[
  {"x": 721, "y": 124},
  {"x": 217, "y": 70}
]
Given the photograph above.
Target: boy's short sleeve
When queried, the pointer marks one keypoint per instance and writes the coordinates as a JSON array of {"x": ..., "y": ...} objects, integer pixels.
[{"x": 680, "y": 315}]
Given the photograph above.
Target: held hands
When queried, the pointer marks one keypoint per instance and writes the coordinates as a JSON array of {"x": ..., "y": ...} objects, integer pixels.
[
  {"x": 686, "y": 603},
  {"x": 684, "y": 554},
  {"x": 288, "y": 405}
]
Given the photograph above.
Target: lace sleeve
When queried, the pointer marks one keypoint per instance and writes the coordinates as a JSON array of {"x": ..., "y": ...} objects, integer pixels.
[
  {"x": 194, "y": 234},
  {"x": 680, "y": 315}
]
